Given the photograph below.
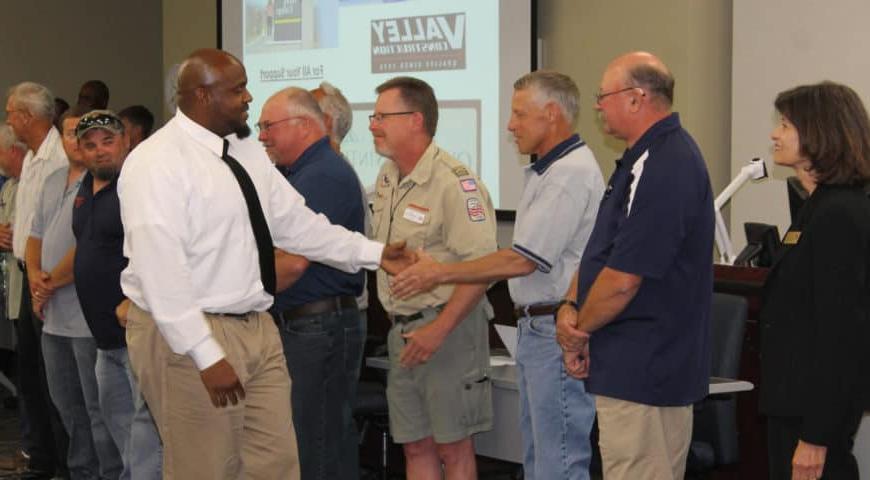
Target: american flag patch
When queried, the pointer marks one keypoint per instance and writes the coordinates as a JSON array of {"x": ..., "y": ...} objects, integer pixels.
[
  {"x": 476, "y": 213},
  {"x": 468, "y": 185}
]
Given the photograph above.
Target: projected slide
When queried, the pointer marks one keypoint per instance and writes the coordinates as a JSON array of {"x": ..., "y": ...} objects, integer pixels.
[{"x": 454, "y": 45}]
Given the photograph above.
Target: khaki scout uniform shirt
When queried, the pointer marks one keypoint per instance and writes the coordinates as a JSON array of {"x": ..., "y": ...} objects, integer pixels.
[{"x": 439, "y": 207}]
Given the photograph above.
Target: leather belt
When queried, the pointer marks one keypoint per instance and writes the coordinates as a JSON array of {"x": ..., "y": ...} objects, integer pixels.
[
  {"x": 403, "y": 319},
  {"x": 327, "y": 305},
  {"x": 536, "y": 310},
  {"x": 237, "y": 316}
]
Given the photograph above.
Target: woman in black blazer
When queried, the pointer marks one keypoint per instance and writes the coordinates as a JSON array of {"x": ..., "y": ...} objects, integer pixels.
[{"x": 815, "y": 319}]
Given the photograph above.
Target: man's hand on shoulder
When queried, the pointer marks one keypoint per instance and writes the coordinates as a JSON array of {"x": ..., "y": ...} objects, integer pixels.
[
  {"x": 396, "y": 257},
  {"x": 222, "y": 384},
  {"x": 420, "y": 277}
]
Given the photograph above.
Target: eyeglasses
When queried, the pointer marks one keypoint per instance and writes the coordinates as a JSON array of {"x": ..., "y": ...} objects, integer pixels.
[
  {"x": 600, "y": 96},
  {"x": 379, "y": 117},
  {"x": 265, "y": 126},
  {"x": 99, "y": 119}
]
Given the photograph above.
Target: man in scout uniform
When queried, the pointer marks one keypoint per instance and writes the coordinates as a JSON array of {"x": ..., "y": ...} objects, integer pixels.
[{"x": 438, "y": 388}]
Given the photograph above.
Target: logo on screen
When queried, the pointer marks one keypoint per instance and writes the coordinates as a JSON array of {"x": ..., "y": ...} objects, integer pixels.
[{"x": 418, "y": 44}]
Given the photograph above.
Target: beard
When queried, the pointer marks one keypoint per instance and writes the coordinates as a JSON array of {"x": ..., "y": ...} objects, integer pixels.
[
  {"x": 104, "y": 173},
  {"x": 242, "y": 131}
]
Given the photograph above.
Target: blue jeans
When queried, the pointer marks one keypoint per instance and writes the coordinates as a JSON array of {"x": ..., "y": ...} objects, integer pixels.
[
  {"x": 72, "y": 383},
  {"x": 556, "y": 413},
  {"x": 324, "y": 354},
  {"x": 127, "y": 417}
]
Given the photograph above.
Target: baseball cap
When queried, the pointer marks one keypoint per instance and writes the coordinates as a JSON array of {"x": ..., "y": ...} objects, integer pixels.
[{"x": 105, "y": 119}]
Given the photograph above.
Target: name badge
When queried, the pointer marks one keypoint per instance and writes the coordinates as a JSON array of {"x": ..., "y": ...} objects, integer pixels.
[
  {"x": 791, "y": 238},
  {"x": 415, "y": 214}
]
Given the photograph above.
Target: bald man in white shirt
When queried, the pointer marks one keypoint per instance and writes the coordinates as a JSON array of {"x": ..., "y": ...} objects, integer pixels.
[{"x": 207, "y": 357}]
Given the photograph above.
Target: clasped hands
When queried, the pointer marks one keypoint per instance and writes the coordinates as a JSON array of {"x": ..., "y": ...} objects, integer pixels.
[
  {"x": 41, "y": 290},
  {"x": 574, "y": 342}
]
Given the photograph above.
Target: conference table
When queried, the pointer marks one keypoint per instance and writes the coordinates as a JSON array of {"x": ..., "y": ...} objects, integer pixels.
[{"x": 503, "y": 441}]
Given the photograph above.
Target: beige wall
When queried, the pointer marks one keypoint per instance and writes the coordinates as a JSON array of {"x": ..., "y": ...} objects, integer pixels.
[
  {"x": 694, "y": 40},
  {"x": 187, "y": 25},
  {"x": 63, "y": 44}
]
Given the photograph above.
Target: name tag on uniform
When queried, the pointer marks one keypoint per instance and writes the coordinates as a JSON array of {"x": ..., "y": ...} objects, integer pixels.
[
  {"x": 791, "y": 238},
  {"x": 415, "y": 214}
]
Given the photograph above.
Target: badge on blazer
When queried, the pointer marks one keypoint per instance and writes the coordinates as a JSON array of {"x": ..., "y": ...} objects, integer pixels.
[
  {"x": 791, "y": 237},
  {"x": 476, "y": 212}
]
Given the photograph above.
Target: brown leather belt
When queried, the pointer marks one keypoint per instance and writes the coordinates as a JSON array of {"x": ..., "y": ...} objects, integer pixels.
[
  {"x": 327, "y": 305},
  {"x": 536, "y": 310}
]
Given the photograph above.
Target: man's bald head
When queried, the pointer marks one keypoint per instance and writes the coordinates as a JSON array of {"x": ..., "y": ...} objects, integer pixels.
[
  {"x": 648, "y": 72},
  {"x": 212, "y": 92}
]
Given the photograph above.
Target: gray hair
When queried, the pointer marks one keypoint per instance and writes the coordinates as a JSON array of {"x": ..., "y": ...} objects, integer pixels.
[
  {"x": 34, "y": 98},
  {"x": 9, "y": 140},
  {"x": 556, "y": 87},
  {"x": 334, "y": 104},
  {"x": 302, "y": 102},
  {"x": 657, "y": 82}
]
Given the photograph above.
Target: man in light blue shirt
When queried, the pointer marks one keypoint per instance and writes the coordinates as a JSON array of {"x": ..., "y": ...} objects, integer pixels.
[{"x": 555, "y": 217}]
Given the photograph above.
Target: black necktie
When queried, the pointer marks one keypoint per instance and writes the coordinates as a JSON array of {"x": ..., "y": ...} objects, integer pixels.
[{"x": 258, "y": 221}]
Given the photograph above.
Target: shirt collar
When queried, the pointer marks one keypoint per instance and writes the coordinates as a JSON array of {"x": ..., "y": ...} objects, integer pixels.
[
  {"x": 202, "y": 135},
  {"x": 309, "y": 155},
  {"x": 563, "y": 148},
  {"x": 423, "y": 170},
  {"x": 48, "y": 144},
  {"x": 662, "y": 127}
]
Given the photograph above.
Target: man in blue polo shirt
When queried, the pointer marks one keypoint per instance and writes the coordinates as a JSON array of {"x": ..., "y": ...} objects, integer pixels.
[
  {"x": 318, "y": 316},
  {"x": 554, "y": 220},
  {"x": 97, "y": 267},
  {"x": 644, "y": 287}
]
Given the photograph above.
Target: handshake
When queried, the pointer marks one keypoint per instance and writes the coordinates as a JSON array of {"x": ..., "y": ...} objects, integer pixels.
[{"x": 414, "y": 271}]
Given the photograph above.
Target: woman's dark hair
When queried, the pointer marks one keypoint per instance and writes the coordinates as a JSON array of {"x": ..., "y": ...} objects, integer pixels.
[{"x": 834, "y": 131}]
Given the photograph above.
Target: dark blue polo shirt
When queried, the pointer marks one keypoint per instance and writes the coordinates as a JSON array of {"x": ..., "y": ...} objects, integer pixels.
[
  {"x": 331, "y": 187},
  {"x": 655, "y": 221},
  {"x": 99, "y": 260}
]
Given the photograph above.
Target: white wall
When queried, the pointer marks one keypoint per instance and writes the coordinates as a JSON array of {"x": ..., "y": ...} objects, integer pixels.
[{"x": 779, "y": 44}]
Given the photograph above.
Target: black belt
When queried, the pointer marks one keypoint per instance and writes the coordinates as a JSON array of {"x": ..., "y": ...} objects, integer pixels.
[
  {"x": 414, "y": 316},
  {"x": 536, "y": 310},
  {"x": 237, "y": 316},
  {"x": 327, "y": 305}
]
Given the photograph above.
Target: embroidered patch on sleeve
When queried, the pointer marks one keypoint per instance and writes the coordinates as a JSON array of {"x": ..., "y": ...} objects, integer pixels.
[
  {"x": 460, "y": 171},
  {"x": 468, "y": 185},
  {"x": 476, "y": 213}
]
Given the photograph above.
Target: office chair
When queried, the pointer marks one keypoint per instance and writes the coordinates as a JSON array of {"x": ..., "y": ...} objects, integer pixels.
[{"x": 715, "y": 436}]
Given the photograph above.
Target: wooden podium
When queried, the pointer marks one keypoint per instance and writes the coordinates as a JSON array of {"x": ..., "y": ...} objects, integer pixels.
[{"x": 752, "y": 427}]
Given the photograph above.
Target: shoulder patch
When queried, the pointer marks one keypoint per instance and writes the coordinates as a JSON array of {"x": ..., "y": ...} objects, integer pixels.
[
  {"x": 460, "y": 171},
  {"x": 385, "y": 181},
  {"x": 476, "y": 212},
  {"x": 468, "y": 185}
]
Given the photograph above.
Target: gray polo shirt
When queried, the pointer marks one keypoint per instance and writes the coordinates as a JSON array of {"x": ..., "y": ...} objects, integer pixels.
[
  {"x": 52, "y": 222},
  {"x": 555, "y": 217}
]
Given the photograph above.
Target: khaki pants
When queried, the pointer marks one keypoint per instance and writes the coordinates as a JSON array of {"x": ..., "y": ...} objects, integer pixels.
[
  {"x": 251, "y": 440},
  {"x": 642, "y": 441}
]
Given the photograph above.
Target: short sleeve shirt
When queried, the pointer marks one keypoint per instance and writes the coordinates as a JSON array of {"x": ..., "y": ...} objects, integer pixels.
[
  {"x": 99, "y": 260},
  {"x": 655, "y": 221},
  {"x": 440, "y": 207},
  {"x": 554, "y": 220},
  {"x": 331, "y": 187},
  {"x": 52, "y": 223}
]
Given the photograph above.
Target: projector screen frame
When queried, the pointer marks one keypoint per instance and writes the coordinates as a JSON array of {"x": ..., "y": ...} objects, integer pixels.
[{"x": 502, "y": 214}]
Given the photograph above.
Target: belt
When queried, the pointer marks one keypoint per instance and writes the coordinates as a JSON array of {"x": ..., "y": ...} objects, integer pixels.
[
  {"x": 536, "y": 310},
  {"x": 327, "y": 305},
  {"x": 237, "y": 316},
  {"x": 403, "y": 319}
]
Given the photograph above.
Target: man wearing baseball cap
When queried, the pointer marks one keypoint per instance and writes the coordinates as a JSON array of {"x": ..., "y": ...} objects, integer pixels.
[{"x": 99, "y": 260}]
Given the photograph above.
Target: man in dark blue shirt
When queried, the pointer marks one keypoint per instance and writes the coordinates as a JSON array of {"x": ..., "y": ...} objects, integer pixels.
[
  {"x": 637, "y": 318},
  {"x": 320, "y": 322},
  {"x": 97, "y": 267}
]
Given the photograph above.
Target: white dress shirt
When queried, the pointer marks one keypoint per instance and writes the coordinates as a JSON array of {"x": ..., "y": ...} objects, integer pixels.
[
  {"x": 189, "y": 238},
  {"x": 36, "y": 167}
]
